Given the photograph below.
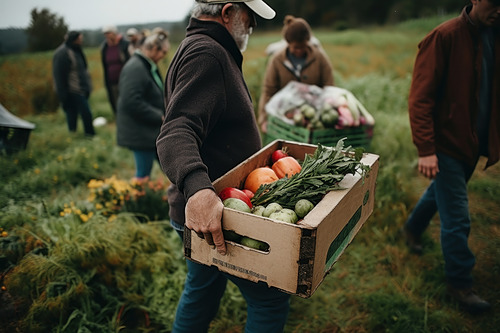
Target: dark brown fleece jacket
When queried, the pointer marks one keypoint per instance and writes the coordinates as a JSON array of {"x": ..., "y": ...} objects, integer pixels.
[{"x": 209, "y": 125}]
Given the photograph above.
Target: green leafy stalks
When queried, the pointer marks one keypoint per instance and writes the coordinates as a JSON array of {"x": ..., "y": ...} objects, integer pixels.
[{"x": 320, "y": 174}]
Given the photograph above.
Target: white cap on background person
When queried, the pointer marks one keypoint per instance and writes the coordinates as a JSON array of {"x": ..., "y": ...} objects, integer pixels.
[
  {"x": 109, "y": 28},
  {"x": 132, "y": 32}
]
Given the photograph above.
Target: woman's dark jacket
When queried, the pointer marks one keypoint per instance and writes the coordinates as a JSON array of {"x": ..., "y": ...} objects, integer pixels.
[
  {"x": 70, "y": 74},
  {"x": 140, "y": 106}
]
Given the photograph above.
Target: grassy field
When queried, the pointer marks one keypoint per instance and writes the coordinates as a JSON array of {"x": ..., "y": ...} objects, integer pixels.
[{"x": 75, "y": 256}]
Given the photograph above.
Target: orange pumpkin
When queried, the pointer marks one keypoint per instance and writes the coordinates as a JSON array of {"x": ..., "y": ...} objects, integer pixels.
[
  {"x": 259, "y": 176},
  {"x": 286, "y": 167}
]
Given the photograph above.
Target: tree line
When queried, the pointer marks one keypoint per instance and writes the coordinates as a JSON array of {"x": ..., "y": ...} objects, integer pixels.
[
  {"x": 46, "y": 30},
  {"x": 340, "y": 14}
]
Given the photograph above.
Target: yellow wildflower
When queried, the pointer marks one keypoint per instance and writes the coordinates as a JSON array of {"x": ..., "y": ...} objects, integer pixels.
[{"x": 94, "y": 183}]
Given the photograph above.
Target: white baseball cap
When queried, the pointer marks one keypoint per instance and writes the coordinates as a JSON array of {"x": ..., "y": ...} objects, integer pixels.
[
  {"x": 259, "y": 7},
  {"x": 132, "y": 32},
  {"x": 109, "y": 28}
]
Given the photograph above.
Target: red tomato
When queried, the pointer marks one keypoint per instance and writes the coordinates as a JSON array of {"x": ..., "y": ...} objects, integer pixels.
[
  {"x": 277, "y": 154},
  {"x": 248, "y": 193},
  {"x": 233, "y": 192}
]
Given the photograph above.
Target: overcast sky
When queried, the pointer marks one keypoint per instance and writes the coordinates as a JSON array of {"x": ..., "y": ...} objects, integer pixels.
[{"x": 93, "y": 14}]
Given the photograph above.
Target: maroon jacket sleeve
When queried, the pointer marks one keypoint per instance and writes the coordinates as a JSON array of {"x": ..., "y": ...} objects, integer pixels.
[{"x": 425, "y": 90}]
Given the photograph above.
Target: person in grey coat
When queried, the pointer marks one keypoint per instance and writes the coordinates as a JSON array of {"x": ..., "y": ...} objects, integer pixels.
[
  {"x": 141, "y": 104},
  {"x": 72, "y": 82}
]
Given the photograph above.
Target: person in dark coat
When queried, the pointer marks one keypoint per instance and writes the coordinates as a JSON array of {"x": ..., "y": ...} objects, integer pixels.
[
  {"x": 141, "y": 103},
  {"x": 114, "y": 55},
  {"x": 209, "y": 128},
  {"x": 72, "y": 82}
]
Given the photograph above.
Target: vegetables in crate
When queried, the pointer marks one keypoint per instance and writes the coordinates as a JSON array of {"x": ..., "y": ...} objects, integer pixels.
[
  {"x": 258, "y": 177},
  {"x": 233, "y": 192},
  {"x": 320, "y": 173},
  {"x": 286, "y": 167}
]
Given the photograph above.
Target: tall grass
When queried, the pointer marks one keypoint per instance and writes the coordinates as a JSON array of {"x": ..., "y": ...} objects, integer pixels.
[{"x": 376, "y": 286}]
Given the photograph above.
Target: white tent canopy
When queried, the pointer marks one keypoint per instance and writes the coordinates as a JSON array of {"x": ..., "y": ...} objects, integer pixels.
[{"x": 7, "y": 119}]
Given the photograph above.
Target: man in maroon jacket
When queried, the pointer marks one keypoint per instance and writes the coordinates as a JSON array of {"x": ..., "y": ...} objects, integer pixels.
[{"x": 454, "y": 115}]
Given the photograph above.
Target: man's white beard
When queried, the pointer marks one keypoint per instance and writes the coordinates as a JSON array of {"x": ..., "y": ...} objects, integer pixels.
[
  {"x": 244, "y": 43},
  {"x": 240, "y": 34}
]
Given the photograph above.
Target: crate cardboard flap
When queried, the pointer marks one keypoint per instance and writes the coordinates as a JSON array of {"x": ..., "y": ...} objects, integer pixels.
[{"x": 299, "y": 255}]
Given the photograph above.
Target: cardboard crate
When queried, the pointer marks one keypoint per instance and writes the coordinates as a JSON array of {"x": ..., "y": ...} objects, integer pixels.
[
  {"x": 359, "y": 136},
  {"x": 300, "y": 255}
]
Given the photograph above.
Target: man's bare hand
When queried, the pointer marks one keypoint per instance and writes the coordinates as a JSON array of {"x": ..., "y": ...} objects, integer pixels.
[
  {"x": 204, "y": 215},
  {"x": 428, "y": 166}
]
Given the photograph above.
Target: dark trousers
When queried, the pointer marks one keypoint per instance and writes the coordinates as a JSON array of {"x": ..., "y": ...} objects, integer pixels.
[
  {"x": 447, "y": 194},
  {"x": 78, "y": 105}
]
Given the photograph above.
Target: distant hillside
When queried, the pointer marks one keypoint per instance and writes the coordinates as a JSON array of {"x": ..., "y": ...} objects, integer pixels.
[{"x": 13, "y": 40}]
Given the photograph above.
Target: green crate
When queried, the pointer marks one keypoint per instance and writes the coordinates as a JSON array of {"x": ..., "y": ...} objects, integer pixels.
[{"x": 360, "y": 136}]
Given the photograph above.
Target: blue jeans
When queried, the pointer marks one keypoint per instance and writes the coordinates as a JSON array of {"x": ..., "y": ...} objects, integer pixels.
[
  {"x": 267, "y": 308},
  {"x": 447, "y": 194},
  {"x": 78, "y": 105},
  {"x": 144, "y": 162}
]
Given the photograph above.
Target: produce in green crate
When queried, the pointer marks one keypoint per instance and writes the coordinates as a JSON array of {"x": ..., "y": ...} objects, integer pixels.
[
  {"x": 308, "y": 111},
  {"x": 303, "y": 105},
  {"x": 345, "y": 117},
  {"x": 236, "y": 204},
  {"x": 303, "y": 207},
  {"x": 366, "y": 117},
  {"x": 329, "y": 117},
  {"x": 298, "y": 119},
  {"x": 316, "y": 124},
  {"x": 352, "y": 106},
  {"x": 285, "y": 215}
]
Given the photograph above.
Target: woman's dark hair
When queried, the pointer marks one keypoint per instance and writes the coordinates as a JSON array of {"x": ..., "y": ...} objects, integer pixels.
[
  {"x": 296, "y": 29},
  {"x": 72, "y": 36}
]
